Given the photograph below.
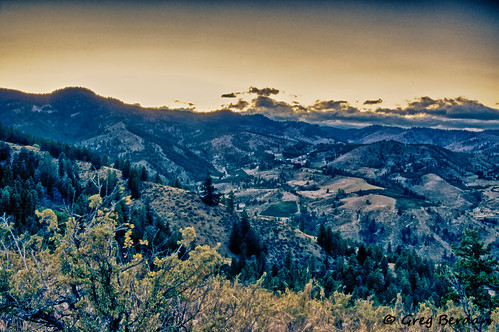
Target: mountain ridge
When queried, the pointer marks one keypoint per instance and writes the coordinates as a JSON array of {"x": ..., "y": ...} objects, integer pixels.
[{"x": 368, "y": 183}]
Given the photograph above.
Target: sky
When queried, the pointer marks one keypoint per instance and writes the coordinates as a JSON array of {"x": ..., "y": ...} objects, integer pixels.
[{"x": 345, "y": 63}]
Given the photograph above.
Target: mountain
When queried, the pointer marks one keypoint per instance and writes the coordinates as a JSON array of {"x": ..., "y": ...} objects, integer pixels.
[
  {"x": 417, "y": 188},
  {"x": 455, "y": 140},
  {"x": 189, "y": 144},
  {"x": 167, "y": 141}
]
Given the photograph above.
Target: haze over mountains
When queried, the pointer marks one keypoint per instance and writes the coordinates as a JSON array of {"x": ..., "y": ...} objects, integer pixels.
[{"x": 415, "y": 187}]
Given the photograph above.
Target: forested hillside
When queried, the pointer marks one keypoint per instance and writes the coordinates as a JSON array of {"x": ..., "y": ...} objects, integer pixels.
[
  {"x": 89, "y": 245},
  {"x": 415, "y": 188}
]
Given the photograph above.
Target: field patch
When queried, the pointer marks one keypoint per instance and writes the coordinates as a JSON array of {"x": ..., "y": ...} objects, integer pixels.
[{"x": 281, "y": 209}]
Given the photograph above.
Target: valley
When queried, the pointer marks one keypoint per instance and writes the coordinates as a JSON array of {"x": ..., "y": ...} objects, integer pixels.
[{"x": 416, "y": 188}]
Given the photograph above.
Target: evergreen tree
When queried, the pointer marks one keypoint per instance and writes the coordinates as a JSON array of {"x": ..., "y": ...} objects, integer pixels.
[
  {"x": 230, "y": 202},
  {"x": 4, "y": 151},
  {"x": 210, "y": 196},
  {"x": 125, "y": 169},
  {"x": 245, "y": 224},
  {"x": 62, "y": 159},
  {"x": 476, "y": 270},
  {"x": 117, "y": 163},
  {"x": 143, "y": 174},
  {"x": 134, "y": 183},
  {"x": 236, "y": 238},
  {"x": 157, "y": 179}
]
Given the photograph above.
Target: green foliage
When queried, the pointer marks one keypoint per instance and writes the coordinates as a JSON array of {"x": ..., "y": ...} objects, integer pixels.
[
  {"x": 54, "y": 148},
  {"x": 231, "y": 202},
  {"x": 281, "y": 209},
  {"x": 176, "y": 184},
  {"x": 108, "y": 264},
  {"x": 363, "y": 271},
  {"x": 144, "y": 176},
  {"x": 89, "y": 282},
  {"x": 246, "y": 243},
  {"x": 4, "y": 151},
  {"x": 134, "y": 182},
  {"x": 476, "y": 272},
  {"x": 210, "y": 196},
  {"x": 157, "y": 179}
]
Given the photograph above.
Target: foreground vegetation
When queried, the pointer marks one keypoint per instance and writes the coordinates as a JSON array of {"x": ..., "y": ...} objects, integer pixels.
[{"x": 81, "y": 278}]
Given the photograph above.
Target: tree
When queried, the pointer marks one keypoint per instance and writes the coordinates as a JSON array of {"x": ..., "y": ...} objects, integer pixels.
[
  {"x": 143, "y": 174},
  {"x": 134, "y": 182},
  {"x": 230, "y": 202},
  {"x": 89, "y": 282},
  {"x": 157, "y": 179},
  {"x": 47, "y": 173},
  {"x": 476, "y": 272},
  {"x": 236, "y": 238},
  {"x": 4, "y": 151},
  {"x": 125, "y": 168},
  {"x": 210, "y": 196}
]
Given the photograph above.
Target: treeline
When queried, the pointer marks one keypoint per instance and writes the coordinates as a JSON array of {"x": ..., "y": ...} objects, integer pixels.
[
  {"x": 72, "y": 152},
  {"x": 363, "y": 271},
  {"x": 134, "y": 175},
  {"x": 30, "y": 180},
  {"x": 27, "y": 179},
  {"x": 367, "y": 271}
]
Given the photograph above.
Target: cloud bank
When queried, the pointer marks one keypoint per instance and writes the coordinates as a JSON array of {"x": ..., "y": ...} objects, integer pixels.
[{"x": 447, "y": 113}]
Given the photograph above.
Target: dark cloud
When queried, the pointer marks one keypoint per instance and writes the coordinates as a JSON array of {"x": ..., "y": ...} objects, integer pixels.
[
  {"x": 457, "y": 113},
  {"x": 333, "y": 105},
  {"x": 263, "y": 92},
  {"x": 457, "y": 108},
  {"x": 274, "y": 109},
  {"x": 271, "y": 106},
  {"x": 240, "y": 105},
  {"x": 373, "y": 102},
  {"x": 330, "y": 105},
  {"x": 422, "y": 102},
  {"x": 229, "y": 95}
]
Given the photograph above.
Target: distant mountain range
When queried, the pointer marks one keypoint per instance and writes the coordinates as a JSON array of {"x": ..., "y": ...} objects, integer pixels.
[{"x": 188, "y": 144}]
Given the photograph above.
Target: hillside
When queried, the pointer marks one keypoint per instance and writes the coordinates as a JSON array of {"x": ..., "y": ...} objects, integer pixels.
[
  {"x": 97, "y": 233},
  {"x": 377, "y": 184}
]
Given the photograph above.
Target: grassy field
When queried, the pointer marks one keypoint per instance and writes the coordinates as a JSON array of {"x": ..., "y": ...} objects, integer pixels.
[{"x": 281, "y": 209}]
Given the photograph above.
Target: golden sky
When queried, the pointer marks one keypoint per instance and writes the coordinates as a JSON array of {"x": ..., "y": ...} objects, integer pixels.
[{"x": 156, "y": 52}]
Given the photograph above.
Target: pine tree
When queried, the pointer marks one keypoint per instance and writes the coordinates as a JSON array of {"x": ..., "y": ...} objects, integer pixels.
[
  {"x": 134, "y": 183},
  {"x": 321, "y": 236},
  {"x": 230, "y": 202},
  {"x": 236, "y": 238},
  {"x": 62, "y": 159},
  {"x": 143, "y": 174},
  {"x": 245, "y": 224},
  {"x": 125, "y": 169},
  {"x": 476, "y": 270},
  {"x": 157, "y": 179},
  {"x": 211, "y": 197},
  {"x": 4, "y": 151}
]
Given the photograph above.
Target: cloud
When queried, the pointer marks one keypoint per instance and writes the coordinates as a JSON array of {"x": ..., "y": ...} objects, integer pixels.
[
  {"x": 373, "y": 102},
  {"x": 263, "y": 92},
  {"x": 451, "y": 113},
  {"x": 229, "y": 95},
  {"x": 458, "y": 108},
  {"x": 333, "y": 106},
  {"x": 240, "y": 105}
]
